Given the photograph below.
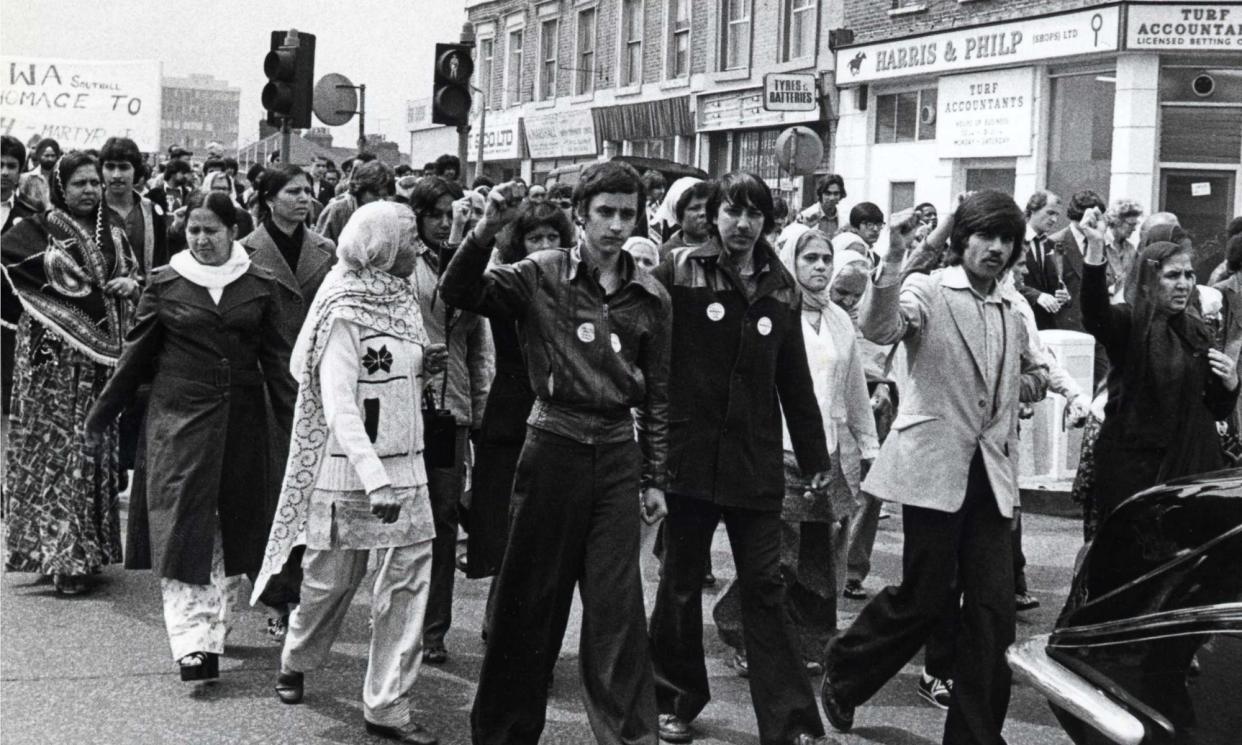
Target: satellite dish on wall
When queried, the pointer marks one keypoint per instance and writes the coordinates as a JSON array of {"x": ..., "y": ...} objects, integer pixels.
[{"x": 336, "y": 100}]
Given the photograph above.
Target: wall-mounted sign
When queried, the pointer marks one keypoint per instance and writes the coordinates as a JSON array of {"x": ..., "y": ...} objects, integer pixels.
[
  {"x": 81, "y": 103},
  {"x": 787, "y": 92},
  {"x": 501, "y": 138},
  {"x": 561, "y": 134},
  {"x": 746, "y": 109},
  {"x": 985, "y": 114},
  {"x": 996, "y": 45},
  {"x": 1200, "y": 28}
]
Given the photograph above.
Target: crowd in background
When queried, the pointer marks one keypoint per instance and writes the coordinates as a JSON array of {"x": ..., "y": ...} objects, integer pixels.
[{"x": 291, "y": 369}]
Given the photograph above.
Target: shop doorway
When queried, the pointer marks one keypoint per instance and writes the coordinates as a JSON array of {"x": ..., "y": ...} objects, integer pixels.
[{"x": 1203, "y": 202}]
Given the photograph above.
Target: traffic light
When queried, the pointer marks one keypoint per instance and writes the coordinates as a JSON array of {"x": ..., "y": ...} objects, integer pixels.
[
  {"x": 450, "y": 98},
  {"x": 290, "y": 70}
]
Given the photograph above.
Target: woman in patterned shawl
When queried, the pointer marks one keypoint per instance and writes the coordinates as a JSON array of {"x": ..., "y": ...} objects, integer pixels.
[{"x": 72, "y": 275}]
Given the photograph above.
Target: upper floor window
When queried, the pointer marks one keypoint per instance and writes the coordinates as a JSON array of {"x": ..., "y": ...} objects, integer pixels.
[
  {"x": 679, "y": 38},
  {"x": 736, "y": 43},
  {"x": 585, "y": 79},
  {"x": 632, "y": 53},
  {"x": 905, "y": 117},
  {"x": 547, "y": 59},
  {"x": 513, "y": 89},
  {"x": 800, "y": 17}
]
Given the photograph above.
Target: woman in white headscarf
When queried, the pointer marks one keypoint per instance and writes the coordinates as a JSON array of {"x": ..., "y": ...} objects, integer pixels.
[
  {"x": 355, "y": 480},
  {"x": 666, "y": 222}
]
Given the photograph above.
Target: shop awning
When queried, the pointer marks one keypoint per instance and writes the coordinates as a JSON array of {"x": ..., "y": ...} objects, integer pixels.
[{"x": 645, "y": 120}]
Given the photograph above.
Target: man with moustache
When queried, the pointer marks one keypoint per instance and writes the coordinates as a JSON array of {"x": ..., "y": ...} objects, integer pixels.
[
  {"x": 595, "y": 333},
  {"x": 951, "y": 460}
]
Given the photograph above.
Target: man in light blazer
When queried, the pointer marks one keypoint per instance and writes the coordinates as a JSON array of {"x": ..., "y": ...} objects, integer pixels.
[{"x": 951, "y": 460}]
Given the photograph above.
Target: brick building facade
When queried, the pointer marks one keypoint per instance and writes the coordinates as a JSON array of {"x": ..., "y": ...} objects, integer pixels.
[
  {"x": 1136, "y": 99},
  {"x": 571, "y": 81}
]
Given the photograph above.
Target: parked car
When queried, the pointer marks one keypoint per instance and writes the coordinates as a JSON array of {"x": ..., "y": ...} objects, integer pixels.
[{"x": 1148, "y": 649}]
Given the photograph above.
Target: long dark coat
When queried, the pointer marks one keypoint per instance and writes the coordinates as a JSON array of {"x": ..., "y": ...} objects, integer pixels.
[
  {"x": 299, "y": 288},
  {"x": 206, "y": 464}
]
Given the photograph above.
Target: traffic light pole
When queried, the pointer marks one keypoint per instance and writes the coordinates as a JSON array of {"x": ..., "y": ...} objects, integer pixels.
[
  {"x": 463, "y": 130},
  {"x": 286, "y": 135},
  {"x": 362, "y": 117}
]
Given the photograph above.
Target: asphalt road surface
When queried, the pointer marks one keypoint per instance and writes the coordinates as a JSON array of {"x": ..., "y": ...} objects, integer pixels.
[{"x": 96, "y": 669}]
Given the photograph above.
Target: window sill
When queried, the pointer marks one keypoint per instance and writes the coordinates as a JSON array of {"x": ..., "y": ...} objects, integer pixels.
[
  {"x": 967, "y": 2},
  {"x": 674, "y": 83},
  {"x": 910, "y": 10},
  {"x": 628, "y": 91},
  {"x": 546, "y": 104},
  {"x": 725, "y": 76},
  {"x": 805, "y": 62},
  {"x": 583, "y": 97}
]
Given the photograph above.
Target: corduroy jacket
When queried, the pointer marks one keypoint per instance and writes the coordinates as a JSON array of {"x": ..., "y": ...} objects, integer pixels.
[{"x": 737, "y": 362}]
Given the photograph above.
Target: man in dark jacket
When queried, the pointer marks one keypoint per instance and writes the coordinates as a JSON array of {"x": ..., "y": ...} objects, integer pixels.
[
  {"x": 737, "y": 351},
  {"x": 595, "y": 333}
]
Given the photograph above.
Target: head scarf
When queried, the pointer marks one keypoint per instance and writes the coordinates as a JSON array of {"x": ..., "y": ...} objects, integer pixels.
[
  {"x": 666, "y": 215},
  {"x": 212, "y": 278},
  {"x": 635, "y": 241},
  {"x": 375, "y": 234},
  {"x": 814, "y": 300},
  {"x": 58, "y": 270},
  {"x": 366, "y": 296}
]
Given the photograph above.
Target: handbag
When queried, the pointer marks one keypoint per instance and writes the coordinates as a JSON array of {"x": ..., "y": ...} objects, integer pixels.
[{"x": 439, "y": 424}]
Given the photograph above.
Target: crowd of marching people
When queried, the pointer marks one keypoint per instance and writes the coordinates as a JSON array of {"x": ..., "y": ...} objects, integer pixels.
[{"x": 306, "y": 376}]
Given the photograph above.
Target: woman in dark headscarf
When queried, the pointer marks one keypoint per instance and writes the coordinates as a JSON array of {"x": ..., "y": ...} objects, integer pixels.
[
  {"x": 72, "y": 272},
  {"x": 1167, "y": 383}
]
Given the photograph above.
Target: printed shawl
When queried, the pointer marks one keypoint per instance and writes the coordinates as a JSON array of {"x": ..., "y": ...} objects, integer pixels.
[
  {"x": 367, "y": 297},
  {"x": 58, "y": 272}
]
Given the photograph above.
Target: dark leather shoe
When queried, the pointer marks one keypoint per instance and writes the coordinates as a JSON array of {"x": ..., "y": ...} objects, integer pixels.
[
  {"x": 673, "y": 729},
  {"x": 805, "y": 739},
  {"x": 413, "y": 733},
  {"x": 435, "y": 654},
  {"x": 289, "y": 687},
  {"x": 840, "y": 714}
]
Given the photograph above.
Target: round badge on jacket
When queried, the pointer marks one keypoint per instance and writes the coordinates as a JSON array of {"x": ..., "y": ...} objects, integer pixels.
[
  {"x": 715, "y": 312},
  {"x": 586, "y": 333},
  {"x": 616, "y": 343},
  {"x": 764, "y": 326}
]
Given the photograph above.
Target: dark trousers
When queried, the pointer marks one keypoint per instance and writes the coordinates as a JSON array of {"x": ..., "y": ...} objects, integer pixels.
[
  {"x": 574, "y": 521},
  {"x": 947, "y": 556},
  {"x": 779, "y": 689},
  {"x": 445, "y": 486},
  {"x": 1019, "y": 558}
]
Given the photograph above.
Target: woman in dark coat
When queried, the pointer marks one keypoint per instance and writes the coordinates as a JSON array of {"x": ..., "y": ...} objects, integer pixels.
[
  {"x": 539, "y": 226},
  {"x": 209, "y": 338},
  {"x": 1167, "y": 383},
  {"x": 299, "y": 259}
]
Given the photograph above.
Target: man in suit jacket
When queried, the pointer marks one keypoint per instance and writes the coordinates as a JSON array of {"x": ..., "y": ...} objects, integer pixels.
[
  {"x": 951, "y": 460},
  {"x": 1042, "y": 285}
]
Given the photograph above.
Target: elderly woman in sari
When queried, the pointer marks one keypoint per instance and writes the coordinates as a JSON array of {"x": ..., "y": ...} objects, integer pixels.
[
  {"x": 208, "y": 339},
  {"x": 71, "y": 272},
  {"x": 355, "y": 480}
]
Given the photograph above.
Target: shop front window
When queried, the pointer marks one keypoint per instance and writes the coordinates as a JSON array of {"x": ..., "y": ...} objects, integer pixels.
[
  {"x": 753, "y": 152},
  {"x": 909, "y": 116},
  {"x": 1080, "y": 143}
]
